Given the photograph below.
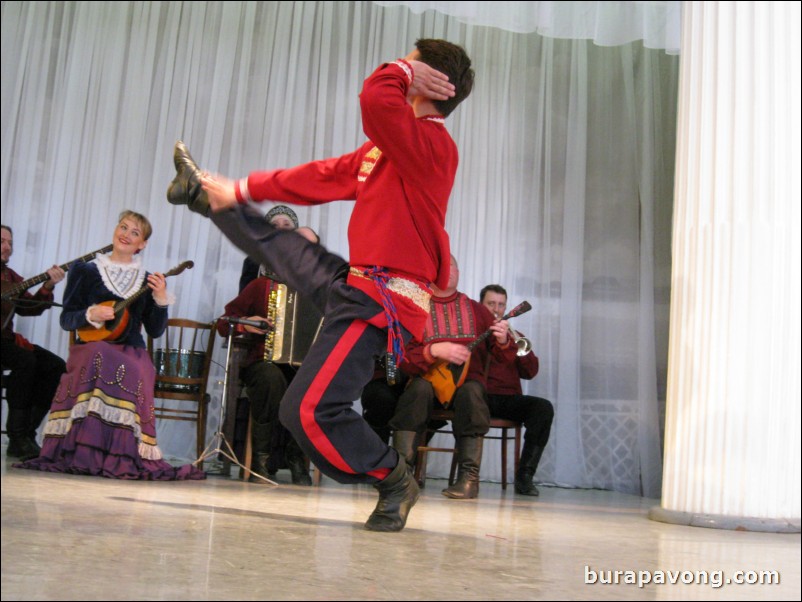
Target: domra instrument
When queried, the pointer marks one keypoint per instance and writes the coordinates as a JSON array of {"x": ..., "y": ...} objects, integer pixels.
[{"x": 114, "y": 329}]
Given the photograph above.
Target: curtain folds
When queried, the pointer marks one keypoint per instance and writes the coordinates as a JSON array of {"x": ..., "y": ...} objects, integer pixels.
[
  {"x": 606, "y": 23},
  {"x": 563, "y": 195}
]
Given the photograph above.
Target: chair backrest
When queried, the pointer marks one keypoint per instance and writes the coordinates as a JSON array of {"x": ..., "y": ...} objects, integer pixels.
[{"x": 183, "y": 357}]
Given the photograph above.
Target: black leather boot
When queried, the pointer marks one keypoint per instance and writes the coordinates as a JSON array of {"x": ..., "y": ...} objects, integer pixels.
[
  {"x": 259, "y": 466},
  {"x": 299, "y": 473},
  {"x": 297, "y": 465},
  {"x": 20, "y": 445},
  {"x": 22, "y": 448},
  {"x": 469, "y": 459},
  {"x": 530, "y": 458},
  {"x": 404, "y": 444},
  {"x": 398, "y": 492},
  {"x": 185, "y": 189},
  {"x": 34, "y": 445},
  {"x": 261, "y": 436}
]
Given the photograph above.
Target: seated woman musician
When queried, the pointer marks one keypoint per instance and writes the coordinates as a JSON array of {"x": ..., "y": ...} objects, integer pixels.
[{"x": 101, "y": 420}]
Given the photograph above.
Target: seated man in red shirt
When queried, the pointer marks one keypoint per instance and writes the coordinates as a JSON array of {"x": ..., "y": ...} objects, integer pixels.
[
  {"x": 505, "y": 398},
  {"x": 35, "y": 371},
  {"x": 454, "y": 322}
]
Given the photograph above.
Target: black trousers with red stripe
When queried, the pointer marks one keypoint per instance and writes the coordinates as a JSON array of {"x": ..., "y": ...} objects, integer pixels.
[{"x": 318, "y": 406}]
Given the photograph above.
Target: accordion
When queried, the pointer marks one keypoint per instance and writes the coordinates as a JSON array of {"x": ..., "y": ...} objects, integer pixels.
[{"x": 297, "y": 324}]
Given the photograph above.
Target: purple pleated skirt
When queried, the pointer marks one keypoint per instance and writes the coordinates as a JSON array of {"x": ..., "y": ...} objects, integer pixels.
[{"x": 102, "y": 422}]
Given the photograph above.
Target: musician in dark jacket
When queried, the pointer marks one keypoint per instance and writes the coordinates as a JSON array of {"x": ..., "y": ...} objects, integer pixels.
[
  {"x": 35, "y": 371},
  {"x": 454, "y": 322}
]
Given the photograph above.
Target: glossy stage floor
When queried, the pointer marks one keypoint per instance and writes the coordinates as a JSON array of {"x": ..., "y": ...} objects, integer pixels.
[{"x": 84, "y": 538}]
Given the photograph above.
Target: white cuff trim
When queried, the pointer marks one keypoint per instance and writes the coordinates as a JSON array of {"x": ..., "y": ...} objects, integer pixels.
[
  {"x": 170, "y": 300},
  {"x": 243, "y": 188},
  {"x": 406, "y": 69},
  {"x": 88, "y": 319}
]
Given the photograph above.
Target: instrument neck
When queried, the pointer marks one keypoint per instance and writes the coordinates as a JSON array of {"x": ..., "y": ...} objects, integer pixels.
[
  {"x": 26, "y": 284},
  {"x": 516, "y": 311},
  {"x": 121, "y": 305}
]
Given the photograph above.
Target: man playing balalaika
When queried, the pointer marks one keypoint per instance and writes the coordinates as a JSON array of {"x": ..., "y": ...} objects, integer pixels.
[{"x": 454, "y": 322}]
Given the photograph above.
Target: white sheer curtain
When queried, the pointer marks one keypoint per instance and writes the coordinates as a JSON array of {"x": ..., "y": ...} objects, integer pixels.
[
  {"x": 563, "y": 196},
  {"x": 606, "y": 23}
]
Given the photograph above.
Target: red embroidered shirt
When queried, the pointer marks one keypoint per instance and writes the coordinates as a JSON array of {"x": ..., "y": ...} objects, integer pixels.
[
  {"x": 457, "y": 319},
  {"x": 401, "y": 180}
]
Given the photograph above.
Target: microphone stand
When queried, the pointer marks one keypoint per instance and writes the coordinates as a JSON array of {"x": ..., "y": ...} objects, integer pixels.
[{"x": 219, "y": 437}]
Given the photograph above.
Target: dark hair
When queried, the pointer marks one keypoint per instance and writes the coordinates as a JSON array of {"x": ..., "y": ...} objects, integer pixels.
[
  {"x": 4, "y": 227},
  {"x": 452, "y": 60},
  {"x": 492, "y": 288}
]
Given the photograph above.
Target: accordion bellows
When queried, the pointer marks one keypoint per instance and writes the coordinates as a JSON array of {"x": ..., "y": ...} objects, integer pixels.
[{"x": 298, "y": 323}]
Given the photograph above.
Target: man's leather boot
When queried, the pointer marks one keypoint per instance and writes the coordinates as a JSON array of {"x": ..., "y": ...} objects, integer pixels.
[
  {"x": 185, "y": 189},
  {"x": 469, "y": 459},
  {"x": 22, "y": 448},
  {"x": 404, "y": 444},
  {"x": 527, "y": 466},
  {"x": 20, "y": 445},
  {"x": 261, "y": 436},
  {"x": 259, "y": 466},
  {"x": 398, "y": 492},
  {"x": 297, "y": 465}
]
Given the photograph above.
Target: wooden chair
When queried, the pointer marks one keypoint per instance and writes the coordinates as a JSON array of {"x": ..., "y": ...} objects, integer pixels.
[
  {"x": 504, "y": 425},
  {"x": 183, "y": 357}
]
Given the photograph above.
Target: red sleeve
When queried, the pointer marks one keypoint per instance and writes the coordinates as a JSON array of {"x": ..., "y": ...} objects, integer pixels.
[
  {"x": 312, "y": 183},
  {"x": 417, "y": 360},
  {"x": 30, "y": 309},
  {"x": 484, "y": 320},
  {"x": 390, "y": 123},
  {"x": 527, "y": 365},
  {"x": 250, "y": 302}
]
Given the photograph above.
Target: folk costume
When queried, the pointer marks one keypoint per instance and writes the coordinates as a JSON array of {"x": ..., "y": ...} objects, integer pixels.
[
  {"x": 401, "y": 180},
  {"x": 102, "y": 420}
]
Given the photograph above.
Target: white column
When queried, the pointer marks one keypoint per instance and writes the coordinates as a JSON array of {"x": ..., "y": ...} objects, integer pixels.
[{"x": 732, "y": 454}]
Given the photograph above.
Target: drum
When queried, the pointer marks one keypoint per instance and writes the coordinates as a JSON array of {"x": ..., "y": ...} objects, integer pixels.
[{"x": 180, "y": 363}]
